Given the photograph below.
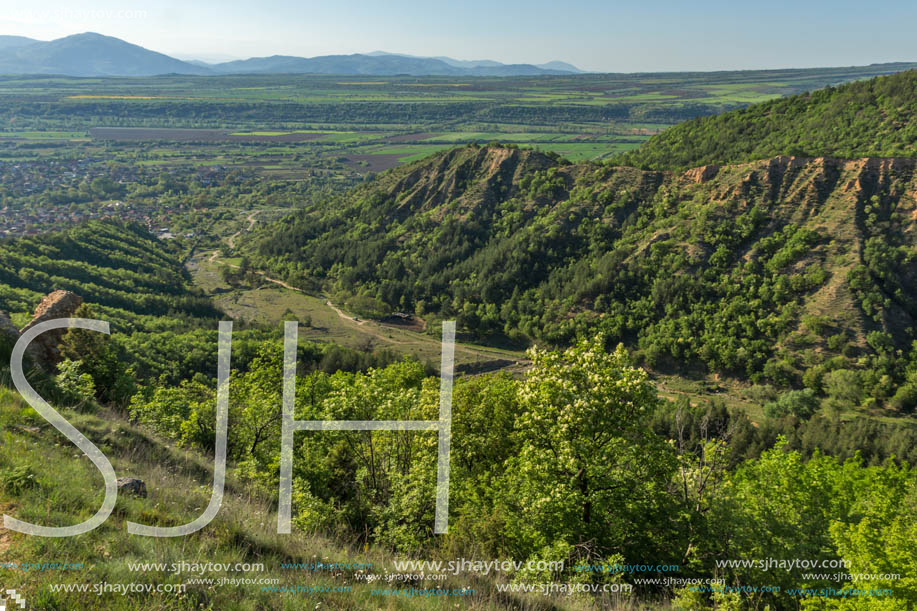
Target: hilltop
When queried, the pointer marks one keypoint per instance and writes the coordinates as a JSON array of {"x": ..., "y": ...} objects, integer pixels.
[
  {"x": 872, "y": 118},
  {"x": 87, "y": 54}
]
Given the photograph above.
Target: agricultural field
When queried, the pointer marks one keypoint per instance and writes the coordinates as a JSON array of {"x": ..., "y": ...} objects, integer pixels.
[
  {"x": 175, "y": 152},
  {"x": 323, "y": 118}
]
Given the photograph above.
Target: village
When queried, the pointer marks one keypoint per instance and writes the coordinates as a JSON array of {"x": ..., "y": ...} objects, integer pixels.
[{"x": 38, "y": 196}]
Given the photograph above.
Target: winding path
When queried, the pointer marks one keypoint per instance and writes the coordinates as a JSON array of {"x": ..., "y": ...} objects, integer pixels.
[
  {"x": 342, "y": 315},
  {"x": 231, "y": 240},
  {"x": 371, "y": 330}
]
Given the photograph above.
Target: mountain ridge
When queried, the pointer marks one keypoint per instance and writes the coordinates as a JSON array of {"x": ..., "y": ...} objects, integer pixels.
[
  {"x": 9, "y": 42},
  {"x": 764, "y": 269},
  {"x": 485, "y": 63},
  {"x": 91, "y": 54}
]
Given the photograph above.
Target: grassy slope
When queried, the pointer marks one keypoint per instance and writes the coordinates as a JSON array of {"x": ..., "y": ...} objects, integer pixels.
[
  {"x": 65, "y": 488},
  {"x": 269, "y": 303}
]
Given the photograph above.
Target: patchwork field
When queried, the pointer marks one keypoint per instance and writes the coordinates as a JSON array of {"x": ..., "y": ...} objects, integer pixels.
[{"x": 294, "y": 126}]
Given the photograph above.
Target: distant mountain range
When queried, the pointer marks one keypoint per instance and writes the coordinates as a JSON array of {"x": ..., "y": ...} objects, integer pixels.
[
  {"x": 86, "y": 55},
  {"x": 487, "y": 63},
  {"x": 91, "y": 54}
]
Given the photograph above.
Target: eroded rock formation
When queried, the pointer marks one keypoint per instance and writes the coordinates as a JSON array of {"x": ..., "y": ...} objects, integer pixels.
[
  {"x": 44, "y": 348},
  {"x": 703, "y": 173}
]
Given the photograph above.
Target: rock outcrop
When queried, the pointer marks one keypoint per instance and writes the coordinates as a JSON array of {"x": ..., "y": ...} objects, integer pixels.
[
  {"x": 59, "y": 304},
  {"x": 132, "y": 485},
  {"x": 703, "y": 173}
]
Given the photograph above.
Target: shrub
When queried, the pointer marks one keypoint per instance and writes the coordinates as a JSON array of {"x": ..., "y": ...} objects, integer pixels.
[
  {"x": 77, "y": 387},
  {"x": 844, "y": 385},
  {"x": 905, "y": 399},
  {"x": 800, "y": 403}
]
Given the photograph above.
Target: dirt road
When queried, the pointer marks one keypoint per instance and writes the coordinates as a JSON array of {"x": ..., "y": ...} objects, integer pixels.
[{"x": 231, "y": 240}]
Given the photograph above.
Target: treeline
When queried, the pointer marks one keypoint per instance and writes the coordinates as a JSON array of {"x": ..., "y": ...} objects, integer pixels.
[
  {"x": 872, "y": 441},
  {"x": 634, "y": 112},
  {"x": 226, "y": 114},
  {"x": 877, "y": 117},
  {"x": 240, "y": 114}
]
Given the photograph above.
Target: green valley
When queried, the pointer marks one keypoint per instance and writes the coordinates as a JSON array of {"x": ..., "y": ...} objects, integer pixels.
[{"x": 686, "y": 317}]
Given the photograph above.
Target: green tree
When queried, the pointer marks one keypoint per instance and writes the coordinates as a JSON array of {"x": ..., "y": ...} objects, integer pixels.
[
  {"x": 881, "y": 541},
  {"x": 844, "y": 386},
  {"x": 800, "y": 403},
  {"x": 781, "y": 506},
  {"x": 114, "y": 381},
  {"x": 589, "y": 473},
  {"x": 77, "y": 387}
]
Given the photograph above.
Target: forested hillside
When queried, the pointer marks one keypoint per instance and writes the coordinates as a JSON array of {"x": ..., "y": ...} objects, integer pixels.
[
  {"x": 160, "y": 325},
  {"x": 641, "y": 477},
  {"x": 163, "y": 329},
  {"x": 876, "y": 117},
  {"x": 126, "y": 273},
  {"x": 780, "y": 270}
]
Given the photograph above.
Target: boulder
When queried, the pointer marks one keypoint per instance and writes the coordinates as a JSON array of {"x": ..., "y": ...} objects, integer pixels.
[{"x": 132, "y": 485}]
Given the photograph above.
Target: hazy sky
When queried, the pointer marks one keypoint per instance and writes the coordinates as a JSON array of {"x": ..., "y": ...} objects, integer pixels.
[{"x": 592, "y": 34}]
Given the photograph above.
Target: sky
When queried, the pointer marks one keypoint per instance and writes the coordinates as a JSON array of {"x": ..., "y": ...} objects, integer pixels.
[{"x": 595, "y": 35}]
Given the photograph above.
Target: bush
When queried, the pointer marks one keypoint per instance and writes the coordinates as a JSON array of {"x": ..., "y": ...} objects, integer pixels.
[
  {"x": 761, "y": 393},
  {"x": 905, "y": 399},
  {"x": 77, "y": 387},
  {"x": 845, "y": 386},
  {"x": 800, "y": 403}
]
